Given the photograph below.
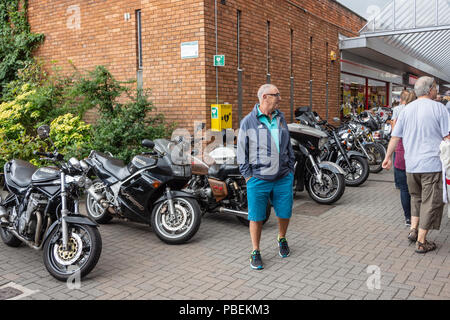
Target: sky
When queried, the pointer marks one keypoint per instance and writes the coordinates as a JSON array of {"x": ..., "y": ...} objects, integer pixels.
[{"x": 365, "y": 8}]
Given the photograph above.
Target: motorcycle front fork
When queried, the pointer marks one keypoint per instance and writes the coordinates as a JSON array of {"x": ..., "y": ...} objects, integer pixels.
[
  {"x": 64, "y": 212},
  {"x": 170, "y": 202},
  {"x": 318, "y": 172}
]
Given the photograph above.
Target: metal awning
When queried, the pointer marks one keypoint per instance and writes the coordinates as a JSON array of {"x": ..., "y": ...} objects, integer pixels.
[{"x": 409, "y": 36}]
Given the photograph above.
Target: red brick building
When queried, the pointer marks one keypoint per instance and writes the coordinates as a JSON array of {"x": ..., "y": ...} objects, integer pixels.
[{"x": 286, "y": 42}]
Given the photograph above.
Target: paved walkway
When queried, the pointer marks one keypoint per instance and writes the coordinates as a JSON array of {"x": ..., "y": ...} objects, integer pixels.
[{"x": 337, "y": 252}]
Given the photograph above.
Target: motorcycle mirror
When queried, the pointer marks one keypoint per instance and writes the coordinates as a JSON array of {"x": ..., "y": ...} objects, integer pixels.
[
  {"x": 336, "y": 119},
  {"x": 148, "y": 144},
  {"x": 43, "y": 132}
]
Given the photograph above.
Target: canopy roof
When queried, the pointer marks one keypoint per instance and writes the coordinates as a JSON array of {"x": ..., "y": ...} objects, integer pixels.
[{"x": 408, "y": 35}]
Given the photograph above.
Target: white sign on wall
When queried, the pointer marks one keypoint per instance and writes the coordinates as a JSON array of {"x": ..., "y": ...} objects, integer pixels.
[{"x": 189, "y": 50}]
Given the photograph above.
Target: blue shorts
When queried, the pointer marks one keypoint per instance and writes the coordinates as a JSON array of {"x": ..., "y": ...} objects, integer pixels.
[{"x": 279, "y": 192}]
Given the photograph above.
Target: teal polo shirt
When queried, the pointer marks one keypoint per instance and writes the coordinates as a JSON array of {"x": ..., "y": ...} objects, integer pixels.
[{"x": 271, "y": 125}]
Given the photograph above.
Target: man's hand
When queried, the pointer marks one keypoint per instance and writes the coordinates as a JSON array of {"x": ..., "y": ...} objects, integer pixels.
[{"x": 387, "y": 163}]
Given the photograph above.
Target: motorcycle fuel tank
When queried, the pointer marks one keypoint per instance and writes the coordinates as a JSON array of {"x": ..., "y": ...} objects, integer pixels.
[
  {"x": 139, "y": 162},
  {"x": 45, "y": 174}
]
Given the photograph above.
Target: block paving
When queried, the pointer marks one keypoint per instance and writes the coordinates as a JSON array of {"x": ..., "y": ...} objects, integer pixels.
[{"x": 334, "y": 255}]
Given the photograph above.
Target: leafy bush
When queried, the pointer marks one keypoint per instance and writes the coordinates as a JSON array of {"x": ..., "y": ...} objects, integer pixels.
[
  {"x": 126, "y": 115},
  {"x": 71, "y": 136},
  {"x": 20, "y": 117},
  {"x": 16, "y": 40}
]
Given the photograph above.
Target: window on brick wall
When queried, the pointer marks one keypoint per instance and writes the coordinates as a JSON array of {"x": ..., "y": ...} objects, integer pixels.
[{"x": 139, "y": 39}]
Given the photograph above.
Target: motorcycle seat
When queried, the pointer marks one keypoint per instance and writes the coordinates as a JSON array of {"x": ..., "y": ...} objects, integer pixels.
[
  {"x": 113, "y": 165},
  {"x": 21, "y": 172},
  {"x": 222, "y": 171}
]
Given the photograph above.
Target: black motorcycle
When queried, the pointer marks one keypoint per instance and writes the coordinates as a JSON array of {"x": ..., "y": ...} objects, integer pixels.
[
  {"x": 323, "y": 180},
  {"x": 335, "y": 150},
  {"x": 147, "y": 190},
  {"x": 41, "y": 210}
]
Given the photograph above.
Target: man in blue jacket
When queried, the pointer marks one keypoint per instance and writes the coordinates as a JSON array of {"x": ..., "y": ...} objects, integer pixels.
[{"x": 266, "y": 160}]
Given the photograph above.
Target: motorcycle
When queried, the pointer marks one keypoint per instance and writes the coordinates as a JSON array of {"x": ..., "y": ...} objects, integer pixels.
[
  {"x": 354, "y": 163},
  {"x": 220, "y": 187},
  {"x": 42, "y": 211},
  {"x": 364, "y": 142},
  {"x": 147, "y": 190},
  {"x": 323, "y": 180}
]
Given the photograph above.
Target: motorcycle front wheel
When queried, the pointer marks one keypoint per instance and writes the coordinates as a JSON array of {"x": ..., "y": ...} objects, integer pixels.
[
  {"x": 376, "y": 156},
  {"x": 179, "y": 227},
  {"x": 79, "y": 258},
  {"x": 357, "y": 173},
  {"x": 331, "y": 189}
]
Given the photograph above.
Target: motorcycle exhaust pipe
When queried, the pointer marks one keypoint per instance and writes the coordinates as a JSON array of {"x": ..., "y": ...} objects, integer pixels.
[
  {"x": 241, "y": 214},
  {"x": 37, "y": 238},
  {"x": 97, "y": 197}
]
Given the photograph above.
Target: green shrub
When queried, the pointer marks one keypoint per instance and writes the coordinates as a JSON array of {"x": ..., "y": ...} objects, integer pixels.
[
  {"x": 126, "y": 115},
  {"x": 16, "y": 40},
  {"x": 71, "y": 136},
  {"x": 20, "y": 118}
]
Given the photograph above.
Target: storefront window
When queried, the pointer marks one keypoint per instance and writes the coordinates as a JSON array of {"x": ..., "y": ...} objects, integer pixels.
[
  {"x": 355, "y": 97},
  {"x": 352, "y": 94},
  {"x": 377, "y": 94}
]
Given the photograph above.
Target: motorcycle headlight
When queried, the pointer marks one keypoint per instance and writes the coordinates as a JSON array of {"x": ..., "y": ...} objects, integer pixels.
[
  {"x": 80, "y": 181},
  {"x": 181, "y": 171},
  {"x": 75, "y": 163},
  {"x": 322, "y": 143}
]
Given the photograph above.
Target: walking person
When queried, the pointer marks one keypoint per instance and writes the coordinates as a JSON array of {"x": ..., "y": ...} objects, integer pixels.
[
  {"x": 395, "y": 112},
  {"x": 266, "y": 161},
  {"x": 422, "y": 125},
  {"x": 406, "y": 97}
]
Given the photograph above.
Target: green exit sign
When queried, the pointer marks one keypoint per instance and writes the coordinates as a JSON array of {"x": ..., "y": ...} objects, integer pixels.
[{"x": 219, "y": 61}]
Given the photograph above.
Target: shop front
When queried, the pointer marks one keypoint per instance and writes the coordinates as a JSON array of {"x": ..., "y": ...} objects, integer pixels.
[{"x": 364, "y": 87}]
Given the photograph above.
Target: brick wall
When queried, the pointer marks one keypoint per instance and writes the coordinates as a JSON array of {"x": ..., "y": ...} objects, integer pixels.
[
  {"x": 183, "y": 89},
  {"x": 322, "y": 20},
  {"x": 104, "y": 37}
]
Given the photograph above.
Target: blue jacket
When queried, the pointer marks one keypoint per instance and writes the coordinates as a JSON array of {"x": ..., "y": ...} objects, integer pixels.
[{"x": 257, "y": 153}]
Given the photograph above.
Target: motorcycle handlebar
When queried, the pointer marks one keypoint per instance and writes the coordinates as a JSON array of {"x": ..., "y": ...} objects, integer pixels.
[{"x": 43, "y": 154}]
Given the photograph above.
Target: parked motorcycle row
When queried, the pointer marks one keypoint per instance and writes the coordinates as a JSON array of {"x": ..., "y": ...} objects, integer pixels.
[{"x": 42, "y": 205}]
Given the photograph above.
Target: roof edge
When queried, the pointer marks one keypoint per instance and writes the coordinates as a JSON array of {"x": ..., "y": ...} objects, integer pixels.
[{"x": 347, "y": 8}]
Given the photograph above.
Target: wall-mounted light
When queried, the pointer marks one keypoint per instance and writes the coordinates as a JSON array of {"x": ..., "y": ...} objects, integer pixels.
[
  {"x": 126, "y": 16},
  {"x": 333, "y": 56}
]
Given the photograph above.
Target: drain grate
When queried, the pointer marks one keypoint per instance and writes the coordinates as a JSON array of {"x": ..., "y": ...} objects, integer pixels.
[
  {"x": 9, "y": 292},
  {"x": 311, "y": 209},
  {"x": 14, "y": 291}
]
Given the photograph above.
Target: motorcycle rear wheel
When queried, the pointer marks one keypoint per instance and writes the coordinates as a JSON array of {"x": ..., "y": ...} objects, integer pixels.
[
  {"x": 8, "y": 238},
  {"x": 95, "y": 209}
]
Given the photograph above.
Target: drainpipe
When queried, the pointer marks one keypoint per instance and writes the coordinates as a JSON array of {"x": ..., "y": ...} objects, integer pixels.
[{"x": 217, "y": 70}]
